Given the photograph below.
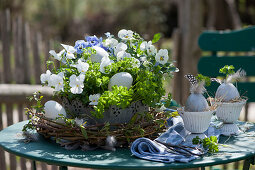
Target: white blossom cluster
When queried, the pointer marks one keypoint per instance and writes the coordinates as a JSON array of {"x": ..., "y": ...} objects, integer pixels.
[{"x": 118, "y": 49}]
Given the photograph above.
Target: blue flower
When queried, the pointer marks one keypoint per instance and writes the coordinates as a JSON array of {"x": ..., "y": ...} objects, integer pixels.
[
  {"x": 93, "y": 40},
  {"x": 80, "y": 45}
]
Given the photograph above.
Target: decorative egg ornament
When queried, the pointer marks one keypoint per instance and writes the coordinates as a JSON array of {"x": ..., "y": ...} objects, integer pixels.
[
  {"x": 53, "y": 109},
  {"x": 227, "y": 92},
  {"x": 121, "y": 79},
  {"x": 196, "y": 102},
  {"x": 100, "y": 53}
]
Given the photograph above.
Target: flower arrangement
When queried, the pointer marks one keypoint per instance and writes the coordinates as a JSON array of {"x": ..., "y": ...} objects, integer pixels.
[{"x": 114, "y": 71}]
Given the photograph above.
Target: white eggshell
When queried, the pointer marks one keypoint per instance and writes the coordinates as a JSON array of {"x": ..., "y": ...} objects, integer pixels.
[
  {"x": 121, "y": 79},
  {"x": 53, "y": 109},
  {"x": 196, "y": 103},
  {"x": 227, "y": 92},
  {"x": 100, "y": 53}
]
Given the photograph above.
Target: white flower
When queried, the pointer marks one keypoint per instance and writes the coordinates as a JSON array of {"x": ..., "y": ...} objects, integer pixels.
[
  {"x": 69, "y": 55},
  {"x": 69, "y": 48},
  {"x": 136, "y": 62},
  {"x": 162, "y": 56},
  {"x": 104, "y": 63},
  {"x": 57, "y": 56},
  {"x": 82, "y": 67},
  {"x": 144, "y": 45},
  {"x": 57, "y": 81},
  {"x": 147, "y": 46},
  {"x": 69, "y": 51},
  {"x": 94, "y": 99},
  {"x": 78, "y": 122},
  {"x": 151, "y": 50},
  {"x": 45, "y": 76},
  {"x": 125, "y": 34},
  {"x": 110, "y": 42},
  {"x": 76, "y": 83},
  {"x": 123, "y": 54},
  {"x": 120, "y": 47}
]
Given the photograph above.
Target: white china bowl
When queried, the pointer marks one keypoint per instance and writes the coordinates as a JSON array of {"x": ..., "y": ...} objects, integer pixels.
[
  {"x": 229, "y": 112},
  {"x": 196, "y": 122}
]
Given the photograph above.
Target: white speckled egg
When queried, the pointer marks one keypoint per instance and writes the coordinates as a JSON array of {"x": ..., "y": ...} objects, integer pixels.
[
  {"x": 196, "y": 102},
  {"x": 53, "y": 109},
  {"x": 100, "y": 53},
  {"x": 227, "y": 92},
  {"x": 121, "y": 79}
]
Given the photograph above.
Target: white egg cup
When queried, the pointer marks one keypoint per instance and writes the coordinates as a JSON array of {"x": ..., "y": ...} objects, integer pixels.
[
  {"x": 196, "y": 123},
  {"x": 229, "y": 113}
]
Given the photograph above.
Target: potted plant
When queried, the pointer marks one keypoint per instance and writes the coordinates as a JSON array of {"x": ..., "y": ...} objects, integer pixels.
[
  {"x": 197, "y": 113},
  {"x": 229, "y": 101},
  {"x": 106, "y": 82}
]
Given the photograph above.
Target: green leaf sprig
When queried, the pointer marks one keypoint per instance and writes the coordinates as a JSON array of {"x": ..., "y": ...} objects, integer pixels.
[
  {"x": 37, "y": 97},
  {"x": 156, "y": 38},
  {"x": 119, "y": 96},
  {"x": 210, "y": 143},
  {"x": 227, "y": 70},
  {"x": 206, "y": 79}
]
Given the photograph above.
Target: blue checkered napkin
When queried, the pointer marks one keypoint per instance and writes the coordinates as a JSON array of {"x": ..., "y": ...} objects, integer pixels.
[
  {"x": 175, "y": 136},
  {"x": 150, "y": 150}
]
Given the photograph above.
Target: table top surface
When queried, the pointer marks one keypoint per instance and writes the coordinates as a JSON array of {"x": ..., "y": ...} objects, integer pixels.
[{"x": 238, "y": 148}]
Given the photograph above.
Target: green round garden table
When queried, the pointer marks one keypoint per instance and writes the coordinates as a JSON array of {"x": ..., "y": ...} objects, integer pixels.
[{"x": 241, "y": 147}]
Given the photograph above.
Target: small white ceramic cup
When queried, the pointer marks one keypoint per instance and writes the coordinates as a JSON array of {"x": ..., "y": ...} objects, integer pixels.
[
  {"x": 229, "y": 113},
  {"x": 196, "y": 123}
]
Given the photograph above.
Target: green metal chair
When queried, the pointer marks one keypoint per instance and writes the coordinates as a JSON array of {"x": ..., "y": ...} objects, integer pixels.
[{"x": 238, "y": 49}]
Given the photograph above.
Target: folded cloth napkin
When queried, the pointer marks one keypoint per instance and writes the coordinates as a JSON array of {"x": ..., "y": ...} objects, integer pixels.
[{"x": 173, "y": 138}]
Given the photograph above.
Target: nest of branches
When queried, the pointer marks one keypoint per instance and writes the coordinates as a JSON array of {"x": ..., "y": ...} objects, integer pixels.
[
  {"x": 141, "y": 125},
  {"x": 236, "y": 100}
]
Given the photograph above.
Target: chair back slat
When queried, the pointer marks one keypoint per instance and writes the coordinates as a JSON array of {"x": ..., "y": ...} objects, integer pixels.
[
  {"x": 240, "y": 40},
  {"x": 210, "y": 65}
]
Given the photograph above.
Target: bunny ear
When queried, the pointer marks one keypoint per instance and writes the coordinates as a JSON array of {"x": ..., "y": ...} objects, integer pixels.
[
  {"x": 192, "y": 79},
  {"x": 217, "y": 80}
]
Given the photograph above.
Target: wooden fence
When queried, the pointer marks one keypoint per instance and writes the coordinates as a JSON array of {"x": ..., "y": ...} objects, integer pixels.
[
  {"x": 23, "y": 51},
  {"x": 22, "y": 54}
]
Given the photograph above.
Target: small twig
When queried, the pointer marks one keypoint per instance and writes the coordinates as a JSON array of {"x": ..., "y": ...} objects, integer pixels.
[{"x": 182, "y": 147}]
